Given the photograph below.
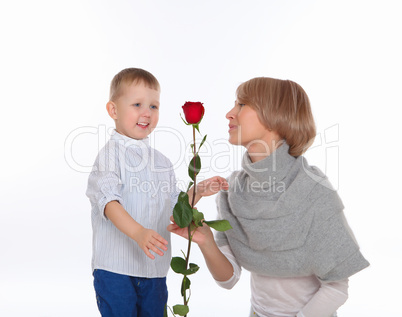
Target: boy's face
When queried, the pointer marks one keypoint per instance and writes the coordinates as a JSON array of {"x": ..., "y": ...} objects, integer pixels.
[{"x": 136, "y": 111}]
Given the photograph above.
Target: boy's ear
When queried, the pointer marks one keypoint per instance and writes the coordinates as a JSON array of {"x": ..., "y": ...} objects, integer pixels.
[{"x": 111, "y": 109}]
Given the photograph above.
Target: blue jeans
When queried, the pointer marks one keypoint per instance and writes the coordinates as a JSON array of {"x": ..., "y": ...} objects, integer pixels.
[{"x": 120, "y": 295}]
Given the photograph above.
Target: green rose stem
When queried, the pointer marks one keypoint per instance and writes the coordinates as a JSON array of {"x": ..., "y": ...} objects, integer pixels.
[
  {"x": 195, "y": 174},
  {"x": 185, "y": 215},
  {"x": 192, "y": 206}
]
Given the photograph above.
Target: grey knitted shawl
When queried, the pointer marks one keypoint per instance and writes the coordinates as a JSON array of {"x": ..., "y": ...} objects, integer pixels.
[{"x": 287, "y": 220}]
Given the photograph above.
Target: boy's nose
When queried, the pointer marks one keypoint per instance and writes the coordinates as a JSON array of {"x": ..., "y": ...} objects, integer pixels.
[{"x": 146, "y": 112}]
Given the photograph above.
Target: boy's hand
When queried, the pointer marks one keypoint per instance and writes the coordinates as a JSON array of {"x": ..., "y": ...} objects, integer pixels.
[
  {"x": 148, "y": 240},
  {"x": 211, "y": 186}
]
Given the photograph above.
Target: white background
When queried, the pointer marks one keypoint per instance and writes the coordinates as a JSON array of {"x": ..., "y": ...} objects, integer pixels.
[{"x": 57, "y": 60}]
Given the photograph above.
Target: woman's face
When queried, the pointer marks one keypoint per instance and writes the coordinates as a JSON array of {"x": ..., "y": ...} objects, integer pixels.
[{"x": 245, "y": 128}]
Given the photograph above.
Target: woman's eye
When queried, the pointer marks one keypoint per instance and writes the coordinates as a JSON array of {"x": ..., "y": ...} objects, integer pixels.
[{"x": 242, "y": 104}]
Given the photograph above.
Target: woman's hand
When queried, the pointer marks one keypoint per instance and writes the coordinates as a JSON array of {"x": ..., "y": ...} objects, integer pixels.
[
  {"x": 212, "y": 186},
  {"x": 202, "y": 235},
  {"x": 207, "y": 187},
  {"x": 219, "y": 266}
]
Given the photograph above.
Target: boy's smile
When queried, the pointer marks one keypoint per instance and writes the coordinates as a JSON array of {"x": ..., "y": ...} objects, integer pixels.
[
  {"x": 143, "y": 125},
  {"x": 136, "y": 111}
]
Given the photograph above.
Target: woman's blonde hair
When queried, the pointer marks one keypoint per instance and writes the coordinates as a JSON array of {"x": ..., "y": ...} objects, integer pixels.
[
  {"x": 282, "y": 106},
  {"x": 128, "y": 76}
]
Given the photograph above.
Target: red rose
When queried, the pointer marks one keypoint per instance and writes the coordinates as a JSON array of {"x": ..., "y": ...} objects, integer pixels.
[{"x": 193, "y": 111}]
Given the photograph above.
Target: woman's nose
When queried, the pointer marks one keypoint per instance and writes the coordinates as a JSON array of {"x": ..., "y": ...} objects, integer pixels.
[{"x": 230, "y": 115}]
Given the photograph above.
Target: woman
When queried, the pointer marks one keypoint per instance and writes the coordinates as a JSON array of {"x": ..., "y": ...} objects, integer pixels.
[{"x": 289, "y": 230}]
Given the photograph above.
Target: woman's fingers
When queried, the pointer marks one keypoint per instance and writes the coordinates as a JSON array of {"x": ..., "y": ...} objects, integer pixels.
[{"x": 213, "y": 185}]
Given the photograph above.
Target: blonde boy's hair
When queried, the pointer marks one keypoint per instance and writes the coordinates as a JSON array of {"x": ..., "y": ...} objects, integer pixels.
[
  {"x": 282, "y": 106},
  {"x": 128, "y": 76}
]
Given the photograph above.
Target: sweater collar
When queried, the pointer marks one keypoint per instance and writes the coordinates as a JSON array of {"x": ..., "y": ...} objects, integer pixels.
[{"x": 274, "y": 166}]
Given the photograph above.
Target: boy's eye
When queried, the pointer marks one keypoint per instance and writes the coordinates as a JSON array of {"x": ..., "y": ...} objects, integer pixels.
[
  {"x": 137, "y": 104},
  {"x": 154, "y": 107}
]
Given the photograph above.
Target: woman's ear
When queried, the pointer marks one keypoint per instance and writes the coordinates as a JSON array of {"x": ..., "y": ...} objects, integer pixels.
[{"x": 112, "y": 109}]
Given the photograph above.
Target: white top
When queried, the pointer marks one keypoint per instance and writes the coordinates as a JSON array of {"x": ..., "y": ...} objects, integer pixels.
[
  {"x": 290, "y": 297},
  {"x": 142, "y": 180}
]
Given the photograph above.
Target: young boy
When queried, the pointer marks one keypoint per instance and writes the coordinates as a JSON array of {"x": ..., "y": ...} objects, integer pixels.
[{"x": 132, "y": 190}]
